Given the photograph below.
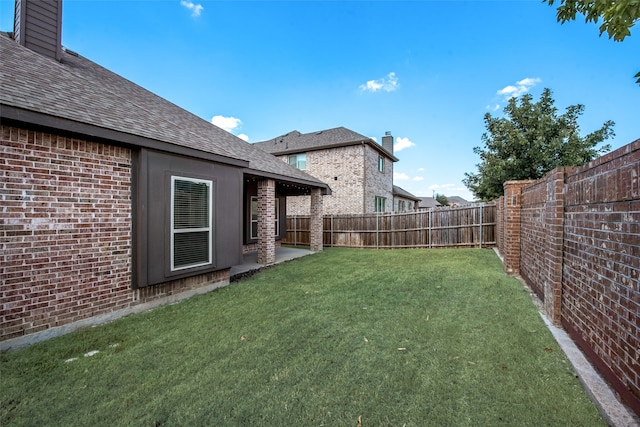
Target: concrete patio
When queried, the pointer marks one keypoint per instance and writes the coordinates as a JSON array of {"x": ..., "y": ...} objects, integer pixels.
[{"x": 250, "y": 261}]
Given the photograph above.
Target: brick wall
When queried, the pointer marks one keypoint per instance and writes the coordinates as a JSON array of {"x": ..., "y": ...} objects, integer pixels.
[
  {"x": 65, "y": 225},
  {"x": 578, "y": 246},
  {"x": 352, "y": 173},
  {"x": 511, "y": 231},
  {"x": 266, "y": 221},
  {"x": 500, "y": 224},
  {"x": 541, "y": 239},
  {"x": 601, "y": 276},
  {"x": 377, "y": 184}
]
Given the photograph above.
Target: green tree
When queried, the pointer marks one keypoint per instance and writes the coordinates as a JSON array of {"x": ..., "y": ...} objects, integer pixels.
[
  {"x": 442, "y": 199},
  {"x": 618, "y": 16},
  {"x": 529, "y": 141}
]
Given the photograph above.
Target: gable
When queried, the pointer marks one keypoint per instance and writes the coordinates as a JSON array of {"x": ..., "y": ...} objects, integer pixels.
[{"x": 296, "y": 142}]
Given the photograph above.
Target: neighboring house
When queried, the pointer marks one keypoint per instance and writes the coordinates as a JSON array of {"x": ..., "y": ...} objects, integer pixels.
[
  {"x": 403, "y": 201},
  {"x": 113, "y": 199},
  {"x": 457, "y": 201},
  {"x": 358, "y": 169},
  {"x": 428, "y": 203}
]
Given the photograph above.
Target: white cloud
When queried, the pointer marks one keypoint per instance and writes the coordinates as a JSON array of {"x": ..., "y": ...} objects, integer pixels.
[
  {"x": 195, "y": 9},
  {"x": 420, "y": 169},
  {"x": 401, "y": 176},
  {"x": 520, "y": 88},
  {"x": 229, "y": 124},
  {"x": 529, "y": 81},
  {"x": 510, "y": 91},
  {"x": 387, "y": 84},
  {"x": 226, "y": 123},
  {"x": 402, "y": 143}
]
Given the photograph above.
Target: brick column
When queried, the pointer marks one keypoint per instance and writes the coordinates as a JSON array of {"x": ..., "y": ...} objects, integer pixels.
[
  {"x": 266, "y": 221},
  {"x": 511, "y": 243},
  {"x": 316, "y": 224},
  {"x": 500, "y": 224},
  {"x": 554, "y": 218}
]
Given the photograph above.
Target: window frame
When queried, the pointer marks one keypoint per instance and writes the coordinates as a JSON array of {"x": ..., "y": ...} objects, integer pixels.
[
  {"x": 380, "y": 204},
  {"x": 294, "y": 160},
  {"x": 173, "y": 231},
  {"x": 380, "y": 164}
]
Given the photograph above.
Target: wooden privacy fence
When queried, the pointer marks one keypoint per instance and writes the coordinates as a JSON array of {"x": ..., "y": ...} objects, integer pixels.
[{"x": 465, "y": 226}]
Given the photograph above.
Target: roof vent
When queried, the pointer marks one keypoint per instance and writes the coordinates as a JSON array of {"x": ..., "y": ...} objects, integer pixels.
[
  {"x": 72, "y": 53},
  {"x": 37, "y": 25}
]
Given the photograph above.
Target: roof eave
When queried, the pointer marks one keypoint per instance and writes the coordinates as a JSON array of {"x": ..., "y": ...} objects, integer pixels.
[
  {"x": 370, "y": 142},
  {"x": 68, "y": 126},
  {"x": 326, "y": 190}
]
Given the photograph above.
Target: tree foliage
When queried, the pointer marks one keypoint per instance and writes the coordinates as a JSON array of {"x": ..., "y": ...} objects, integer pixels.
[
  {"x": 618, "y": 16},
  {"x": 442, "y": 199},
  {"x": 529, "y": 141}
]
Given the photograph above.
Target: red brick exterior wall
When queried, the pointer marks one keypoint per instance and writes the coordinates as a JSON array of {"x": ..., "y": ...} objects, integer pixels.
[
  {"x": 541, "y": 243},
  {"x": 579, "y": 249},
  {"x": 511, "y": 231},
  {"x": 601, "y": 275},
  {"x": 500, "y": 224},
  {"x": 66, "y": 233},
  {"x": 266, "y": 221}
]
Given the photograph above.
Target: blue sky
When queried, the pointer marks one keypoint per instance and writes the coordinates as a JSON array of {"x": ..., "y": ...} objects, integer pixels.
[{"x": 427, "y": 71}]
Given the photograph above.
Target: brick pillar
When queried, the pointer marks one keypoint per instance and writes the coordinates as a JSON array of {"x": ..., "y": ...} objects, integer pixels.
[
  {"x": 511, "y": 243},
  {"x": 266, "y": 221},
  {"x": 500, "y": 224},
  {"x": 554, "y": 218},
  {"x": 316, "y": 224}
]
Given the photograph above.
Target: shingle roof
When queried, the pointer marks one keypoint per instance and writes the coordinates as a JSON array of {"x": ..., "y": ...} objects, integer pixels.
[
  {"x": 81, "y": 91},
  {"x": 428, "y": 202},
  {"x": 295, "y": 142},
  {"x": 399, "y": 191},
  {"x": 458, "y": 200}
]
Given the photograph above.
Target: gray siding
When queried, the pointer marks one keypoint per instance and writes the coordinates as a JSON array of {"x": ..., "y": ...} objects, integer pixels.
[{"x": 38, "y": 26}]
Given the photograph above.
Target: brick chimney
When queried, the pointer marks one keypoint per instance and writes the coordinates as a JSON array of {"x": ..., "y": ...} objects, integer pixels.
[
  {"x": 387, "y": 142},
  {"x": 37, "y": 25}
]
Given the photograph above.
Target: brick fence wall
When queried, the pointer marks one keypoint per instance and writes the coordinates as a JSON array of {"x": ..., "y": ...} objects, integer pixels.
[
  {"x": 574, "y": 237},
  {"x": 65, "y": 230}
]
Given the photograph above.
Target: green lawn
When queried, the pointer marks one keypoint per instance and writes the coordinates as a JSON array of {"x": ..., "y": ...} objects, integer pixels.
[{"x": 395, "y": 337}]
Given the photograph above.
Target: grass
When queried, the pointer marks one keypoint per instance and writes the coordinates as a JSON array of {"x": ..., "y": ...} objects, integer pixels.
[{"x": 404, "y": 337}]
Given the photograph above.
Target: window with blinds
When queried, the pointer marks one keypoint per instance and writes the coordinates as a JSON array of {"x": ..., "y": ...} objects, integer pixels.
[{"x": 191, "y": 219}]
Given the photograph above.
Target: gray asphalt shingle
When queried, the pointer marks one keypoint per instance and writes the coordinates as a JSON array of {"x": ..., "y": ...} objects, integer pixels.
[
  {"x": 82, "y": 91},
  {"x": 295, "y": 141}
]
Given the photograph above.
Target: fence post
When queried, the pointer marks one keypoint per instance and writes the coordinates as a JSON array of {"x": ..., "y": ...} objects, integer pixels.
[
  {"x": 295, "y": 231},
  {"x": 377, "y": 229},
  {"x": 430, "y": 212},
  {"x": 481, "y": 206},
  {"x": 331, "y": 235}
]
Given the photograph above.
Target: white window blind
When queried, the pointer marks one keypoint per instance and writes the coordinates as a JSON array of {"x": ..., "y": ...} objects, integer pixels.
[{"x": 191, "y": 223}]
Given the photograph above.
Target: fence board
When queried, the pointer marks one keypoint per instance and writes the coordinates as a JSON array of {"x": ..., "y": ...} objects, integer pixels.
[{"x": 465, "y": 226}]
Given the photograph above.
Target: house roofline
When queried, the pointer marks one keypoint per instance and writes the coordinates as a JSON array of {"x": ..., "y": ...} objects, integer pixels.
[
  {"x": 370, "y": 142},
  {"x": 68, "y": 126}
]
